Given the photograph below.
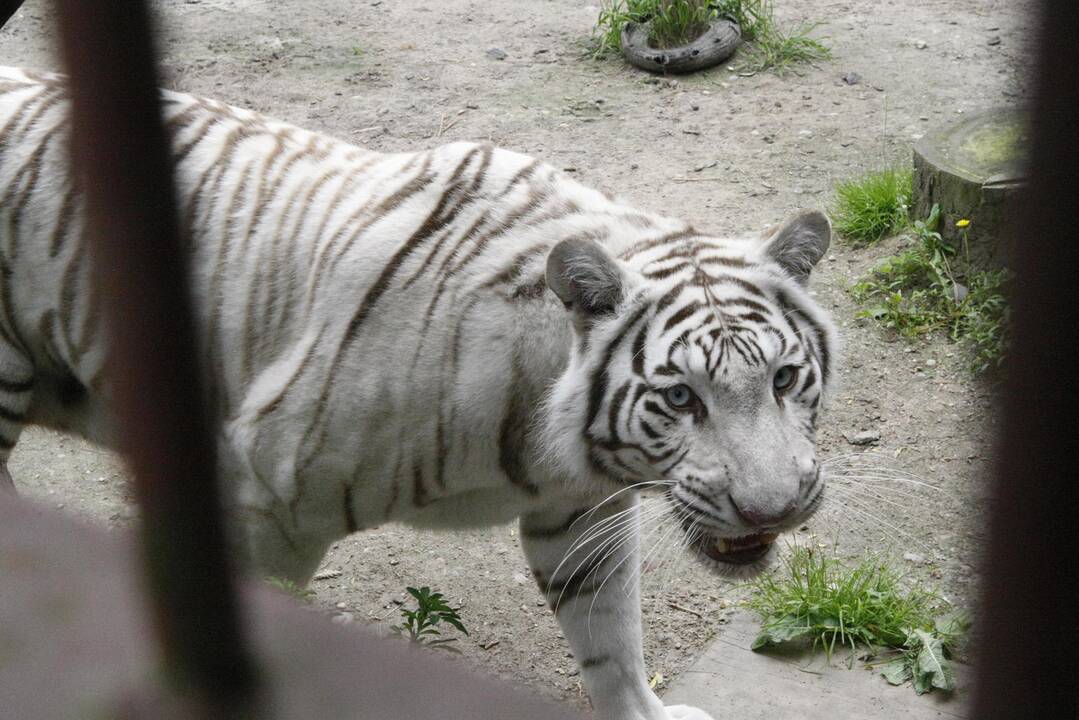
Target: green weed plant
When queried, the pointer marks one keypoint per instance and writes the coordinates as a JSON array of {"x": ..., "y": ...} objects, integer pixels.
[
  {"x": 816, "y": 597},
  {"x": 420, "y": 625},
  {"x": 299, "y": 592},
  {"x": 875, "y": 205},
  {"x": 931, "y": 287}
]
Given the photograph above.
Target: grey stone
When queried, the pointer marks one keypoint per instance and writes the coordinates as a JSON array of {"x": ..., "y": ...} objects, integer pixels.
[
  {"x": 866, "y": 437},
  {"x": 732, "y": 681}
]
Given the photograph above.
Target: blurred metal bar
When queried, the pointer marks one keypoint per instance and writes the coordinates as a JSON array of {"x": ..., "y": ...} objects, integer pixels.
[
  {"x": 7, "y": 9},
  {"x": 123, "y": 167},
  {"x": 1030, "y": 650}
]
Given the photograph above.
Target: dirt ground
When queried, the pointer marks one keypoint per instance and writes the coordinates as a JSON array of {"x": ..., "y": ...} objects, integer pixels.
[{"x": 733, "y": 152}]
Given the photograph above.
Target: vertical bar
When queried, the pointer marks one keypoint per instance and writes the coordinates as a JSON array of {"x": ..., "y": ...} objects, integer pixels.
[
  {"x": 123, "y": 169},
  {"x": 1027, "y": 663}
]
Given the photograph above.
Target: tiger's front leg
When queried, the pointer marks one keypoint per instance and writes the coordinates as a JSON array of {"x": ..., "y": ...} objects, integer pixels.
[{"x": 587, "y": 563}]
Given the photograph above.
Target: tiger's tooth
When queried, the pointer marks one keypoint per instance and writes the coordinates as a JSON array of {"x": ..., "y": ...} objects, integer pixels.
[{"x": 724, "y": 546}]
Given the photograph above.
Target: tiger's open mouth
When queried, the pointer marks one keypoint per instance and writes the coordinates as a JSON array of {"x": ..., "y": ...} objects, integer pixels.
[{"x": 735, "y": 551}]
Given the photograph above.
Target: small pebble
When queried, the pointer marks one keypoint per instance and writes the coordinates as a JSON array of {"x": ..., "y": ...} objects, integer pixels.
[
  {"x": 866, "y": 437},
  {"x": 496, "y": 54}
]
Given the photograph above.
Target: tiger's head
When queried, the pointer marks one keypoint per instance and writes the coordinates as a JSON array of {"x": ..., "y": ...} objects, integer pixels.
[{"x": 699, "y": 367}]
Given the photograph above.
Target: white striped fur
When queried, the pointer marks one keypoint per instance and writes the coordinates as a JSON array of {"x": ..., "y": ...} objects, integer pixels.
[{"x": 447, "y": 338}]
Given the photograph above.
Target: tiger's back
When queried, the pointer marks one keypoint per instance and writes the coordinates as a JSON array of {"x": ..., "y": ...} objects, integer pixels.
[
  {"x": 460, "y": 336},
  {"x": 355, "y": 307}
]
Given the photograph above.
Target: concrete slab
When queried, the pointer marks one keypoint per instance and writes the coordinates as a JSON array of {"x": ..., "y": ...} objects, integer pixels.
[
  {"x": 76, "y": 642},
  {"x": 732, "y": 681}
]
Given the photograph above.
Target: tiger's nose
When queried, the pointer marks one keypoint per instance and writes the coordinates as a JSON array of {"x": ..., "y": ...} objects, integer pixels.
[{"x": 762, "y": 517}]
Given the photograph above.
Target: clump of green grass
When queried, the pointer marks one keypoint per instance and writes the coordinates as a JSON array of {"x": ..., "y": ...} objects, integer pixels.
[
  {"x": 780, "y": 50},
  {"x": 673, "y": 22},
  {"x": 817, "y": 597},
  {"x": 420, "y": 624},
  {"x": 299, "y": 592},
  {"x": 874, "y": 205},
  {"x": 928, "y": 288},
  {"x": 754, "y": 17},
  {"x": 676, "y": 22}
]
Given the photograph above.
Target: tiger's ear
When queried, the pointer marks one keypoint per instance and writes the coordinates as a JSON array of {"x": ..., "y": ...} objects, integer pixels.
[
  {"x": 799, "y": 244},
  {"x": 585, "y": 278}
]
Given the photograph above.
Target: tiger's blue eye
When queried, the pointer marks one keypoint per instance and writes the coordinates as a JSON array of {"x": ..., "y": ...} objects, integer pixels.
[
  {"x": 679, "y": 396},
  {"x": 784, "y": 378}
]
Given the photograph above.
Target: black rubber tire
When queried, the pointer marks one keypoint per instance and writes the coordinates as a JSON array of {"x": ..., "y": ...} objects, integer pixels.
[{"x": 717, "y": 44}]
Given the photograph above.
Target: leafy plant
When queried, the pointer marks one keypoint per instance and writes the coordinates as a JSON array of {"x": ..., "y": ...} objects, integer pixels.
[
  {"x": 675, "y": 22},
  {"x": 924, "y": 658},
  {"x": 985, "y": 328},
  {"x": 819, "y": 598},
  {"x": 420, "y": 624},
  {"x": 927, "y": 288},
  {"x": 299, "y": 592},
  {"x": 874, "y": 205}
]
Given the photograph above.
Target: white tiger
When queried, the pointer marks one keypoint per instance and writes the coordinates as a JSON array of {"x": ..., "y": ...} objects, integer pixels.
[{"x": 447, "y": 338}]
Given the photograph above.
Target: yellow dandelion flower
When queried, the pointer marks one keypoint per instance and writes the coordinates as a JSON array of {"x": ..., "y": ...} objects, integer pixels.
[{"x": 962, "y": 223}]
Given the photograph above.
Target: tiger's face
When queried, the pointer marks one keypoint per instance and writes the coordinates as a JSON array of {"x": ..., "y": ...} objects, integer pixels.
[{"x": 700, "y": 369}]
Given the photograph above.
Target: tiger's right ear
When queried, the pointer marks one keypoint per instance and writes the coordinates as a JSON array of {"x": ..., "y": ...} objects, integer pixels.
[
  {"x": 799, "y": 244},
  {"x": 585, "y": 278}
]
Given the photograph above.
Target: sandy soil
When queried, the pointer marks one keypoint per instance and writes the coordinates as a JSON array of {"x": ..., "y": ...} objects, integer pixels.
[{"x": 731, "y": 152}]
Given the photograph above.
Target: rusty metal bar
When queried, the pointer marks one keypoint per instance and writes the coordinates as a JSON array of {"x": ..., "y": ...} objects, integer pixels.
[
  {"x": 1030, "y": 650},
  {"x": 124, "y": 172}
]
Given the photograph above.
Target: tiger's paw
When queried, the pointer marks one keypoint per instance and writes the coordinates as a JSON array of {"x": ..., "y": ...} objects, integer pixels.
[{"x": 685, "y": 712}]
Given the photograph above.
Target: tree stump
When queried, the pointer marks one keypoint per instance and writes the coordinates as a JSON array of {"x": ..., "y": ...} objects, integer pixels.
[{"x": 972, "y": 169}]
